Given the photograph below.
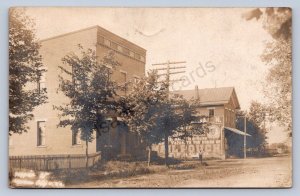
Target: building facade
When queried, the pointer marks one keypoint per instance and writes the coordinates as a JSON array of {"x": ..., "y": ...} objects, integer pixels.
[
  {"x": 44, "y": 136},
  {"x": 219, "y": 106}
]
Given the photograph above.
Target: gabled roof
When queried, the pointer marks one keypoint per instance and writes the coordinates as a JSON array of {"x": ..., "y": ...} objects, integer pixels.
[{"x": 211, "y": 96}]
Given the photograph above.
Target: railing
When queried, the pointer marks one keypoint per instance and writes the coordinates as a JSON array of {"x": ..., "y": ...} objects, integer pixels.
[{"x": 52, "y": 162}]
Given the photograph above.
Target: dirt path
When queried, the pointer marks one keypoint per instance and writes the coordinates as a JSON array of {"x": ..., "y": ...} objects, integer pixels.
[
  {"x": 263, "y": 172},
  {"x": 268, "y": 172}
]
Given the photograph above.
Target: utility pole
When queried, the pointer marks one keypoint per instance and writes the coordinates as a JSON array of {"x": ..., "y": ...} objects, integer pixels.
[
  {"x": 167, "y": 70},
  {"x": 245, "y": 131},
  {"x": 167, "y": 73}
]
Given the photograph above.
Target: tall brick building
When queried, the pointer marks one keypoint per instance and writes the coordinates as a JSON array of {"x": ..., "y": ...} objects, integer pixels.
[{"x": 44, "y": 137}]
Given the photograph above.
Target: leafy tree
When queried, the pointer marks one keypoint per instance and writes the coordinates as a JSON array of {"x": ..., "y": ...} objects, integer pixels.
[
  {"x": 278, "y": 55},
  {"x": 140, "y": 109},
  {"x": 25, "y": 70},
  {"x": 255, "y": 127},
  {"x": 86, "y": 82},
  {"x": 155, "y": 115},
  {"x": 258, "y": 113},
  {"x": 191, "y": 122}
]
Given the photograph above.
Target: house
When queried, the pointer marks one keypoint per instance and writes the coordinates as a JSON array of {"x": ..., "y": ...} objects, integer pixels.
[
  {"x": 219, "y": 105},
  {"x": 44, "y": 137}
]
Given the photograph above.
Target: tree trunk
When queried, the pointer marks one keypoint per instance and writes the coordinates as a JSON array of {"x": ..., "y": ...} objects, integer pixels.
[
  {"x": 185, "y": 144},
  {"x": 86, "y": 153},
  {"x": 185, "y": 149},
  {"x": 166, "y": 149},
  {"x": 149, "y": 155}
]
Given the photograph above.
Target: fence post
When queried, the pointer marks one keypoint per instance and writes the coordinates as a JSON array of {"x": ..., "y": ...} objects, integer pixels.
[
  {"x": 46, "y": 160},
  {"x": 69, "y": 158}
]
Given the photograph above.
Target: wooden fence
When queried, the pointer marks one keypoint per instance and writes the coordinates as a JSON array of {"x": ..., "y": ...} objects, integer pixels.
[{"x": 52, "y": 162}]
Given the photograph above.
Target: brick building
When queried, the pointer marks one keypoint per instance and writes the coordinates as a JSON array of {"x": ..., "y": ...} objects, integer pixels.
[
  {"x": 44, "y": 137},
  {"x": 219, "y": 105}
]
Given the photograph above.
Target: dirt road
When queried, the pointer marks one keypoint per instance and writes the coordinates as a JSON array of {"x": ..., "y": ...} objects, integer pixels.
[{"x": 258, "y": 172}]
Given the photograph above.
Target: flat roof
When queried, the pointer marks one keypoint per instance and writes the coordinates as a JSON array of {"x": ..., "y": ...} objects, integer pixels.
[{"x": 99, "y": 28}]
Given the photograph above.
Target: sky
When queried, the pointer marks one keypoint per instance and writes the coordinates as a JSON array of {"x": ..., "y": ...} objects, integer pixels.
[{"x": 219, "y": 46}]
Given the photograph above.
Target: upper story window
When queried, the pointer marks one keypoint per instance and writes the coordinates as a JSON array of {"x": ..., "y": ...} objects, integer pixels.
[
  {"x": 126, "y": 51},
  {"x": 123, "y": 81},
  {"x": 41, "y": 133},
  {"x": 42, "y": 83},
  {"x": 119, "y": 48},
  {"x": 211, "y": 112},
  {"x": 131, "y": 53},
  {"x": 123, "y": 77},
  {"x": 137, "y": 56},
  {"x": 113, "y": 45},
  {"x": 100, "y": 39},
  {"x": 107, "y": 42}
]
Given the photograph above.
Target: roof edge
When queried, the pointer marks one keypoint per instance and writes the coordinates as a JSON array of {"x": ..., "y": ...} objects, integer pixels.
[
  {"x": 88, "y": 28},
  {"x": 69, "y": 33}
]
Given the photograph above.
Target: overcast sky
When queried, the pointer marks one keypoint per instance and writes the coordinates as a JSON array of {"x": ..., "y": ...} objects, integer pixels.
[{"x": 227, "y": 46}]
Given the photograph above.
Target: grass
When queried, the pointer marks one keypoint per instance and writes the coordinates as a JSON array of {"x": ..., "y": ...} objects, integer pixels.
[{"x": 119, "y": 169}]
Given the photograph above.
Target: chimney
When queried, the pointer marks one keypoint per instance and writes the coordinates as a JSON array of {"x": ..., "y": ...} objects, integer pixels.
[{"x": 197, "y": 92}]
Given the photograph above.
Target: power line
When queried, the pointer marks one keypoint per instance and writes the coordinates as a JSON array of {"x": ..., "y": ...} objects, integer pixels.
[{"x": 168, "y": 69}]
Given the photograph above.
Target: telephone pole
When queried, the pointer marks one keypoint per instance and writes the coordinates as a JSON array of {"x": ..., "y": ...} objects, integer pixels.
[
  {"x": 245, "y": 139},
  {"x": 167, "y": 70}
]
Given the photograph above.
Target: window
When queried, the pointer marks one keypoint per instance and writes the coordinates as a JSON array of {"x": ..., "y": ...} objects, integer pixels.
[
  {"x": 123, "y": 77},
  {"x": 119, "y": 48},
  {"x": 211, "y": 112},
  {"x": 126, "y": 51},
  {"x": 137, "y": 56},
  {"x": 131, "y": 53},
  {"x": 76, "y": 140},
  {"x": 42, "y": 82},
  {"x": 113, "y": 45},
  {"x": 100, "y": 39},
  {"x": 41, "y": 133},
  {"x": 107, "y": 42}
]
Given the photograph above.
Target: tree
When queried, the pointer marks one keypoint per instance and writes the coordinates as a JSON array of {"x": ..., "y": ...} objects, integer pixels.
[
  {"x": 140, "y": 109},
  {"x": 154, "y": 114},
  {"x": 86, "y": 82},
  {"x": 258, "y": 113},
  {"x": 255, "y": 127},
  {"x": 25, "y": 71},
  {"x": 278, "y": 55},
  {"x": 188, "y": 114}
]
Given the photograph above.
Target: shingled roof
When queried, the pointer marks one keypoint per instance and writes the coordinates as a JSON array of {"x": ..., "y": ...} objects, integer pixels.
[{"x": 211, "y": 96}]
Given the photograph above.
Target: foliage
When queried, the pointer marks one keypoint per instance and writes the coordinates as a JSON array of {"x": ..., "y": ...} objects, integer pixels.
[
  {"x": 188, "y": 112},
  {"x": 258, "y": 113},
  {"x": 255, "y": 127},
  {"x": 153, "y": 113},
  {"x": 141, "y": 108},
  {"x": 278, "y": 56},
  {"x": 86, "y": 82},
  {"x": 25, "y": 70}
]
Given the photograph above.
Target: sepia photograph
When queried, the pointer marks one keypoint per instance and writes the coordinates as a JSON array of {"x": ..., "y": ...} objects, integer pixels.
[{"x": 115, "y": 97}]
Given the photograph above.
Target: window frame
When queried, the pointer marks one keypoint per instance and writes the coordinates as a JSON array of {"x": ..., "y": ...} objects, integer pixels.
[
  {"x": 76, "y": 139},
  {"x": 39, "y": 136},
  {"x": 209, "y": 112}
]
